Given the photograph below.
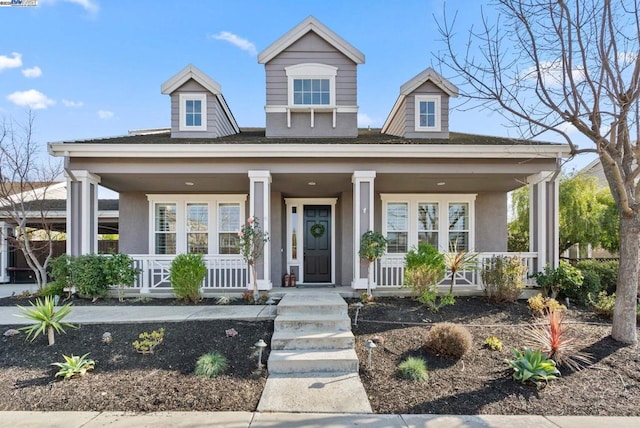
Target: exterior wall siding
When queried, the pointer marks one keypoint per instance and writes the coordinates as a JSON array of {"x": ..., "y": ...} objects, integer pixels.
[
  {"x": 218, "y": 125},
  {"x": 344, "y": 239},
  {"x": 397, "y": 126},
  {"x": 491, "y": 222},
  {"x": 134, "y": 223},
  {"x": 311, "y": 49},
  {"x": 427, "y": 88},
  {"x": 278, "y": 258}
]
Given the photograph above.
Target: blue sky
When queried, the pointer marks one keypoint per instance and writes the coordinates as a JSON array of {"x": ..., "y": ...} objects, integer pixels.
[{"x": 93, "y": 68}]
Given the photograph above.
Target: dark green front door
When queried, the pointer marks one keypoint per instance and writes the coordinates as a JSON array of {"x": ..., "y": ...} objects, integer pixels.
[{"x": 317, "y": 243}]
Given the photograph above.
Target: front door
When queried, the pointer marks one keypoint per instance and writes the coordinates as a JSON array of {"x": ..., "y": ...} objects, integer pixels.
[{"x": 317, "y": 243}]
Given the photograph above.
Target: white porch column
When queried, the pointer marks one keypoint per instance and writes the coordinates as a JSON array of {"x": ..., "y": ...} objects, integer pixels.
[
  {"x": 544, "y": 221},
  {"x": 362, "y": 222},
  {"x": 82, "y": 212},
  {"x": 260, "y": 208},
  {"x": 5, "y": 230}
]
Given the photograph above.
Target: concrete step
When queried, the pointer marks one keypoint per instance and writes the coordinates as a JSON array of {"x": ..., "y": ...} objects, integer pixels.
[
  {"x": 309, "y": 304},
  {"x": 313, "y": 361},
  {"x": 292, "y": 340},
  {"x": 312, "y": 322}
]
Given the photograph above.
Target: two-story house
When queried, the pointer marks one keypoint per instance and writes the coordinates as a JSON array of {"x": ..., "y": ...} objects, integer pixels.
[{"x": 313, "y": 179}]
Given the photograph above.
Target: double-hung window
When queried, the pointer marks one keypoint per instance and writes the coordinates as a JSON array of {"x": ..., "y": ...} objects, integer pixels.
[
  {"x": 311, "y": 85},
  {"x": 442, "y": 220},
  {"x": 195, "y": 224},
  {"x": 193, "y": 112},
  {"x": 427, "y": 113}
]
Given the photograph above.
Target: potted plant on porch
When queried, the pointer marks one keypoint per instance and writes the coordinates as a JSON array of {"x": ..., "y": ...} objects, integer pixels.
[
  {"x": 251, "y": 244},
  {"x": 372, "y": 246}
]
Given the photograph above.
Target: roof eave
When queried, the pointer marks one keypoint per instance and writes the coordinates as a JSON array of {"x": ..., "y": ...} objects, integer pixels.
[{"x": 190, "y": 72}]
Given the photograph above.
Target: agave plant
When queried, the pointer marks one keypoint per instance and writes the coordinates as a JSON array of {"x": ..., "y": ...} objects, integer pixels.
[
  {"x": 47, "y": 318},
  {"x": 533, "y": 366},
  {"x": 74, "y": 366}
]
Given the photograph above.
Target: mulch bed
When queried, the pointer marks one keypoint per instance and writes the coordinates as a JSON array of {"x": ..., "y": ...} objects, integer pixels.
[
  {"x": 234, "y": 299},
  {"x": 480, "y": 382},
  {"x": 124, "y": 380}
]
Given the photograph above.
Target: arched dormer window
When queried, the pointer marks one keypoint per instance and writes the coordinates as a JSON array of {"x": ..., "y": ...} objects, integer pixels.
[{"x": 311, "y": 85}]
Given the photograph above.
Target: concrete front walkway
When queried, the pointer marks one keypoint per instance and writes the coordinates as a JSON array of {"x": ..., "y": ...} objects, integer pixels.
[{"x": 285, "y": 420}]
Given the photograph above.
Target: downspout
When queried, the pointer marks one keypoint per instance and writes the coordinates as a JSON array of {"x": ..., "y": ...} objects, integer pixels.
[
  {"x": 71, "y": 178},
  {"x": 67, "y": 170}
]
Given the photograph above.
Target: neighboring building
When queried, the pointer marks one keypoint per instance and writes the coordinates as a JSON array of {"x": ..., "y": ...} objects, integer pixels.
[
  {"x": 48, "y": 201},
  {"x": 312, "y": 178}
]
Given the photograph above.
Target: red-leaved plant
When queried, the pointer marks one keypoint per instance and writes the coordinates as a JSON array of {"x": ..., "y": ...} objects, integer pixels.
[{"x": 556, "y": 340}]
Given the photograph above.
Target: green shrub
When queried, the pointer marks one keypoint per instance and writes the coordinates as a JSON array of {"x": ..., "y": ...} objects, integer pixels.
[
  {"x": 187, "y": 273},
  {"x": 61, "y": 272},
  {"x": 607, "y": 273},
  {"x": 591, "y": 285},
  {"x": 604, "y": 304},
  {"x": 52, "y": 289},
  {"x": 414, "y": 369},
  {"x": 554, "y": 281},
  {"x": 88, "y": 275},
  {"x": 148, "y": 342},
  {"x": 541, "y": 305},
  {"x": 47, "y": 318},
  {"x": 503, "y": 278},
  {"x": 533, "y": 366},
  {"x": 493, "y": 343},
  {"x": 74, "y": 366},
  {"x": 429, "y": 298},
  {"x": 424, "y": 268},
  {"x": 120, "y": 272},
  {"x": 211, "y": 365},
  {"x": 449, "y": 340}
]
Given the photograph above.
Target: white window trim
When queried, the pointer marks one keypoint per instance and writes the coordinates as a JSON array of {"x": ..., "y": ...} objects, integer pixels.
[
  {"x": 187, "y": 96},
  {"x": 312, "y": 71},
  {"x": 438, "y": 119},
  {"x": 181, "y": 202},
  {"x": 443, "y": 200}
]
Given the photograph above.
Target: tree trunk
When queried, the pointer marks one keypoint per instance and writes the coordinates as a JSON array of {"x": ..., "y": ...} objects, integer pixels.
[
  {"x": 369, "y": 278},
  {"x": 624, "y": 313},
  {"x": 51, "y": 335},
  {"x": 254, "y": 272}
]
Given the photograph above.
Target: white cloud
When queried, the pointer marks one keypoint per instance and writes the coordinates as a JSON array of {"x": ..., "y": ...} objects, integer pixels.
[
  {"x": 567, "y": 128},
  {"x": 364, "y": 120},
  {"x": 237, "y": 41},
  {"x": 32, "y": 72},
  {"x": 90, "y": 6},
  {"x": 31, "y": 98},
  {"x": 552, "y": 73},
  {"x": 627, "y": 57},
  {"x": 14, "y": 61},
  {"x": 105, "y": 114},
  {"x": 72, "y": 104}
]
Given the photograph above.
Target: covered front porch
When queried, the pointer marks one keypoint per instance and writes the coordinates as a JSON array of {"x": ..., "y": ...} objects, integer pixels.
[{"x": 173, "y": 206}]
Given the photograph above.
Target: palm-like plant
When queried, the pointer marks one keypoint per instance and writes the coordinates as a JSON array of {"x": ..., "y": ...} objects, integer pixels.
[
  {"x": 459, "y": 261},
  {"x": 47, "y": 318},
  {"x": 74, "y": 366}
]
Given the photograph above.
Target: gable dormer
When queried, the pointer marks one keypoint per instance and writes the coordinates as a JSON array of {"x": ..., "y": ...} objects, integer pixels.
[
  {"x": 198, "y": 109},
  {"x": 311, "y": 76},
  {"x": 422, "y": 109}
]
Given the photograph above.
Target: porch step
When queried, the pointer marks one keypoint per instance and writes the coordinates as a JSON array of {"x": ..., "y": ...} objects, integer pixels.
[
  {"x": 291, "y": 340},
  {"x": 299, "y": 323},
  {"x": 310, "y": 304},
  {"x": 313, "y": 361}
]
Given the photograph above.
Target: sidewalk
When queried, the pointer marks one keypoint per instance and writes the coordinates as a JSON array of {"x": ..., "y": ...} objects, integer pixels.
[
  {"x": 283, "y": 420},
  {"x": 128, "y": 314}
]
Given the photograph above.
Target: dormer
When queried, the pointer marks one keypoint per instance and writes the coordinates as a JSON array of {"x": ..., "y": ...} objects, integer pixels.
[
  {"x": 311, "y": 76},
  {"x": 198, "y": 109},
  {"x": 422, "y": 109}
]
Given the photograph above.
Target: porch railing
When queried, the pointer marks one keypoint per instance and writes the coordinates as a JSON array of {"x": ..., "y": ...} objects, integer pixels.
[
  {"x": 224, "y": 272},
  {"x": 389, "y": 270}
]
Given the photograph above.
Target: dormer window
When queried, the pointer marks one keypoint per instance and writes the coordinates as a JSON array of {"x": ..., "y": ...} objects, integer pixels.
[
  {"x": 427, "y": 113},
  {"x": 311, "y": 84},
  {"x": 193, "y": 108}
]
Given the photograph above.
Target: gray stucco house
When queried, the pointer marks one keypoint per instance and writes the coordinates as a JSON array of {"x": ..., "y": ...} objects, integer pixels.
[{"x": 315, "y": 181}]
